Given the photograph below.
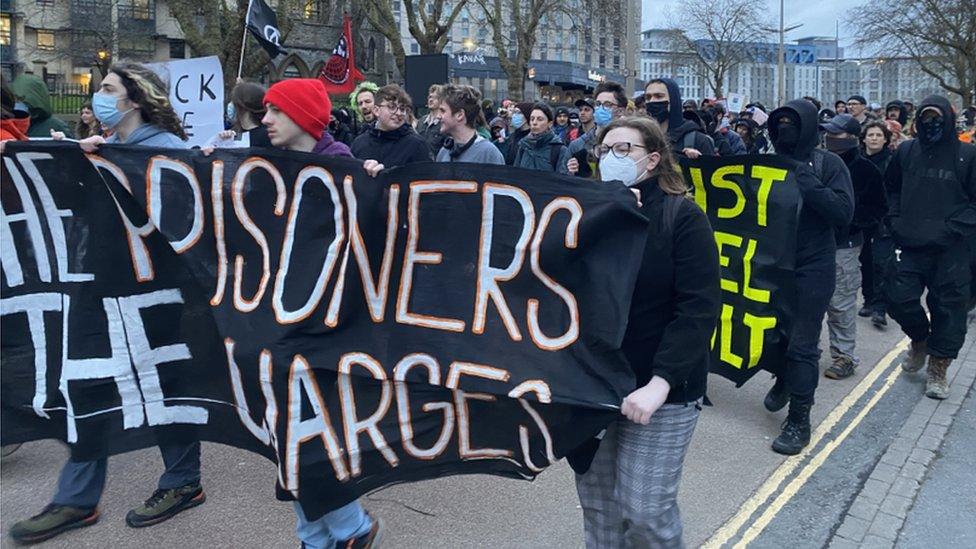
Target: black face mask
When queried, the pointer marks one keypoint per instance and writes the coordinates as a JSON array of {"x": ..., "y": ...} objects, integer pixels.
[
  {"x": 787, "y": 137},
  {"x": 658, "y": 110},
  {"x": 840, "y": 145},
  {"x": 930, "y": 129}
]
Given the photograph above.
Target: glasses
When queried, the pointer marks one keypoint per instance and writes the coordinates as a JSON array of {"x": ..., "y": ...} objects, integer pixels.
[
  {"x": 620, "y": 150},
  {"x": 398, "y": 109},
  {"x": 607, "y": 104},
  {"x": 854, "y": 103}
]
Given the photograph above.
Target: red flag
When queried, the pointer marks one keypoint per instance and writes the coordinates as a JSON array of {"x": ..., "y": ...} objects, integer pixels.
[{"x": 339, "y": 74}]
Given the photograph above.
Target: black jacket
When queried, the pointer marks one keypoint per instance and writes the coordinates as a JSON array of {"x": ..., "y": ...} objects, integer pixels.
[
  {"x": 902, "y": 112},
  {"x": 828, "y": 198},
  {"x": 432, "y": 134},
  {"x": 511, "y": 147},
  {"x": 880, "y": 159},
  {"x": 932, "y": 188},
  {"x": 678, "y": 127},
  {"x": 393, "y": 148},
  {"x": 677, "y": 298},
  {"x": 869, "y": 199}
]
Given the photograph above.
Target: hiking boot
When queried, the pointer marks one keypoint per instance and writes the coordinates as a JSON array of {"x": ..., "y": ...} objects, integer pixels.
[
  {"x": 865, "y": 312},
  {"x": 843, "y": 367},
  {"x": 53, "y": 520},
  {"x": 879, "y": 319},
  {"x": 915, "y": 360},
  {"x": 165, "y": 504},
  {"x": 777, "y": 397},
  {"x": 369, "y": 540},
  {"x": 936, "y": 386},
  {"x": 796, "y": 430}
]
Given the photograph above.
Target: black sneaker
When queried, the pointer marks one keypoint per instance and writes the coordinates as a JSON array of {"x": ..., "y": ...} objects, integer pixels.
[
  {"x": 369, "y": 540},
  {"x": 865, "y": 312},
  {"x": 53, "y": 520},
  {"x": 879, "y": 319},
  {"x": 165, "y": 504}
]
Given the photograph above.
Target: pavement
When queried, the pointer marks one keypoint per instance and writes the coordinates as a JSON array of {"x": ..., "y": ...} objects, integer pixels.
[{"x": 734, "y": 492}]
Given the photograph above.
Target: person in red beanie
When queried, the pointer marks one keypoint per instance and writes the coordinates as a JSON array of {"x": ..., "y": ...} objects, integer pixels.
[{"x": 298, "y": 113}]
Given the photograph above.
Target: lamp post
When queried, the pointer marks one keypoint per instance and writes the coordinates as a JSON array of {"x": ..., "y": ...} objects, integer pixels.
[{"x": 781, "y": 57}]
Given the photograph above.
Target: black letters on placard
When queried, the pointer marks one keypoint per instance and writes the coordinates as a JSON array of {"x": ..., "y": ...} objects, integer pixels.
[{"x": 438, "y": 319}]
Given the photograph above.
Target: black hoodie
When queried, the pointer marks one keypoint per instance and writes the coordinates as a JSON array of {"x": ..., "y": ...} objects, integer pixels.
[
  {"x": 393, "y": 148},
  {"x": 902, "y": 113},
  {"x": 678, "y": 126},
  {"x": 828, "y": 201},
  {"x": 932, "y": 187},
  {"x": 869, "y": 199}
]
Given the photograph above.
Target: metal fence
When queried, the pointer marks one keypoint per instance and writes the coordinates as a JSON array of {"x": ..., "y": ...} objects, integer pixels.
[{"x": 68, "y": 97}]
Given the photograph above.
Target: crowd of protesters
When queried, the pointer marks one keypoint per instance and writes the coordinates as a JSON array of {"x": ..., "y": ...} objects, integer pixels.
[{"x": 888, "y": 208}]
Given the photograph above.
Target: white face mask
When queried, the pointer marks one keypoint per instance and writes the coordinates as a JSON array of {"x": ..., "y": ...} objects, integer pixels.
[{"x": 620, "y": 169}]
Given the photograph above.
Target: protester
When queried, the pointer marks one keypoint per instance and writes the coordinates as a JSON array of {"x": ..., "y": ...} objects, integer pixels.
[
  {"x": 663, "y": 103},
  {"x": 857, "y": 106},
  {"x": 457, "y": 110},
  {"x": 32, "y": 91},
  {"x": 931, "y": 185},
  {"x": 298, "y": 112},
  {"x": 340, "y": 125},
  {"x": 840, "y": 106},
  {"x": 842, "y": 139},
  {"x": 608, "y": 99},
  {"x": 87, "y": 125},
  {"x": 629, "y": 491},
  {"x": 877, "y": 252},
  {"x": 245, "y": 111},
  {"x": 561, "y": 124},
  {"x": 828, "y": 206},
  {"x": 518, "y": 130},
  {"x": 392, "y": 142},
  {"x": 134, "y": 102},
  {"x": 429, "y": 127},
  {"x": 14, "y": 122},
  {"x": 749, "y": 132},
  {"x": 361, "y": 101},
  {"x": 542, "y": 149}
]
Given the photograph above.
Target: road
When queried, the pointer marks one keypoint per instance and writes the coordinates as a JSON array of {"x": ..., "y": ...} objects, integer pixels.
[{"x": 729, "y": 465}]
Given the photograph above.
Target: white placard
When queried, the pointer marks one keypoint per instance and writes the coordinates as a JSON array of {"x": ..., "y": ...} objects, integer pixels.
[
  {"x": 736, "y": 102},
  {"x": 196, "y": 89}
]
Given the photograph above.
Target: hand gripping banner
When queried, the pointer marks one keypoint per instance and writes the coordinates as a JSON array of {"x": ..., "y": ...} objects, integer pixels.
[
  {"x": 753, "y": 204},
  {"x": 438, "y": 319}
]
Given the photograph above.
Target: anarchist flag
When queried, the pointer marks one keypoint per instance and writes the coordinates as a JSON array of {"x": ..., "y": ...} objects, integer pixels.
[
  {"x": 263, "y": 24},
  {"x": 339, "y": 74}
]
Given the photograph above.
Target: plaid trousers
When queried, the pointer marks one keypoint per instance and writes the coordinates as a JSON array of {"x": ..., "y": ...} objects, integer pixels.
[{"x": 629, "y": 495}]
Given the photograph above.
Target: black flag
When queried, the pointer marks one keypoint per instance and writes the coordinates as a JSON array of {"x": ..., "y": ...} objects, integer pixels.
[{"x": 263, "y": 24}]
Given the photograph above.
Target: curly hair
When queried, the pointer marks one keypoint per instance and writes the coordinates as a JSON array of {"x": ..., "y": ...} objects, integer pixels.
[
  {"x": 365, "y": 85},
  {"x": 145, "y": 88}
]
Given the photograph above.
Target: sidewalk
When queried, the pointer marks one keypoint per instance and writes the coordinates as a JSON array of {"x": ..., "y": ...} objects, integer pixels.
[{"x": 906, "y": 487}]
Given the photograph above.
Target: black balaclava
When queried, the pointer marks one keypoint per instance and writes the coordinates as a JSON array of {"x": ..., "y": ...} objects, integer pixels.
[
  {"x": 930, "y": 128},
  {"x": 787, "y": 133}
]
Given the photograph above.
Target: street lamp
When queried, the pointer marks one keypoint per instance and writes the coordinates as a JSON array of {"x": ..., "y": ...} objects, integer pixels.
[
  {"x": 102, "y": 55},
  {"x": 468, "y": 44},
  {"x": 781, "y": 62}
]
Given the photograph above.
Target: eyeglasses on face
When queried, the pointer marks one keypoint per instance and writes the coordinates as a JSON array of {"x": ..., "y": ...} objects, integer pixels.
[
  {"x": 397, "y": 109},
  {"x": 619, "y": 149},
  {"x": 607, "y": 104}
]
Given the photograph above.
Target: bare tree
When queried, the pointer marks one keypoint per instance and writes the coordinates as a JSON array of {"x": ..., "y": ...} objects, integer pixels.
[
  {"x": 429, "y": 22},
  {"x": 720, "y": 34},
  {"x": 939, "y": 35}
]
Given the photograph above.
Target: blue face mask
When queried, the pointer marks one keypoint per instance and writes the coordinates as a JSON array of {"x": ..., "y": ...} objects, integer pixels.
[
  {"x": 106, "y": 109},
  {"x": 602, "y": 115},
  {"x": 231, "y": 111},
  {"x": 518, "y": 119}
]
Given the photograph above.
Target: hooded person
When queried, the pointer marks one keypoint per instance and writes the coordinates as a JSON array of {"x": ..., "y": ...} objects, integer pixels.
[
  {"x": 560, "y": 125},
  {"x": 827, "y": 207},
  {"x": 842, "y": 138},
  {"x": 895, "y": 110},
  {"x": 32, "y": 91},
  {"x": 14, "y": 122},
  {"x": 931, "y": 184},
  {"x": 663, "y": 103}
]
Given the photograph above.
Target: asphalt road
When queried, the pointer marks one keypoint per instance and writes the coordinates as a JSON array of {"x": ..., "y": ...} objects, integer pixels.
[{"x": 729, "y": 459}]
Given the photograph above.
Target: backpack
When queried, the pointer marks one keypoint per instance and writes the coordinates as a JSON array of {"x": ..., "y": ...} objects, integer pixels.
[{"x": 669, "y": 211}]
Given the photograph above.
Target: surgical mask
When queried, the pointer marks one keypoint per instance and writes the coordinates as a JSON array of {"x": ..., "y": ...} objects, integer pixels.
[
  {"x": 930, "y": 129},
  {"x": 840, "y": 145},
  {"x": 620, "y": 169},
  {"x": 787, "y": 138},
  {"x": 231, "y": 111},
  {"x": 658, "y": 110},
  {"x": 518, "y": 119},
  {"x": 106, "y": 108},
  {"x": 602, "y": 115}
]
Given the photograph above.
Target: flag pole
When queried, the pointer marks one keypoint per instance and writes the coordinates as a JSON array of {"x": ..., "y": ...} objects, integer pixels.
[{"x": 247, "y": 20}]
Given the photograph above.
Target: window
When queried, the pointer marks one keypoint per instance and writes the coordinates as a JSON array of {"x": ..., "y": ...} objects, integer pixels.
[
  {"x": 177, "y": 49},
  {"x": 45, "y": 40},
  {"x": 311, "y": 9},
  {"x": 5, "y": 30},
  {"x": 291, "y": 71},
  {"x": 414, "y": 48}
]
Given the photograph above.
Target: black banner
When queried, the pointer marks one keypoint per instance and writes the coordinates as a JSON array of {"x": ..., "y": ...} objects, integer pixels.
[
  {"x": 438, "y": 319},
  {"x": 753, "y": 204}
]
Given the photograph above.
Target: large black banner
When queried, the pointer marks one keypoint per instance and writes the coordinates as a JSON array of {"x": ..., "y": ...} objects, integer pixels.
[
  {"x": 438, "y": 319},
  {"x": 753, "y": 204}
]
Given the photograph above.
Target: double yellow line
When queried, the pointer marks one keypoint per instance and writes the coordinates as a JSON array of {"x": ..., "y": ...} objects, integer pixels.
[{"x": 786, "y": 469}]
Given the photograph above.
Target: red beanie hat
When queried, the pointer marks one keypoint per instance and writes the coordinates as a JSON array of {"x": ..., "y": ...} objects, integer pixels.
[{"x": 305, "y": 101}]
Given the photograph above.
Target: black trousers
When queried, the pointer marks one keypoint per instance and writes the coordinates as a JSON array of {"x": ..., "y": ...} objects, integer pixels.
[
  {"x": 815, "y": 280},
  {"x": 876, "y": 255},
  {"x": 946, "y": 274}
]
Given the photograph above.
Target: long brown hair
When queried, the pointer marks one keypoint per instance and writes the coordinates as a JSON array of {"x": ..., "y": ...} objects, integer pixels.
[
  {"x": 83, "y": 130},
  {"x": 146, "y": 88},
  {"x": 248, "y": 97},
  {"x": 668, "y": 177}
]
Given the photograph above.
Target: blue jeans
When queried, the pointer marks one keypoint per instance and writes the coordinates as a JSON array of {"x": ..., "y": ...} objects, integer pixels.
[
  {"x": 347, "y": 522},
  {"x": 81, "y": 482}
]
